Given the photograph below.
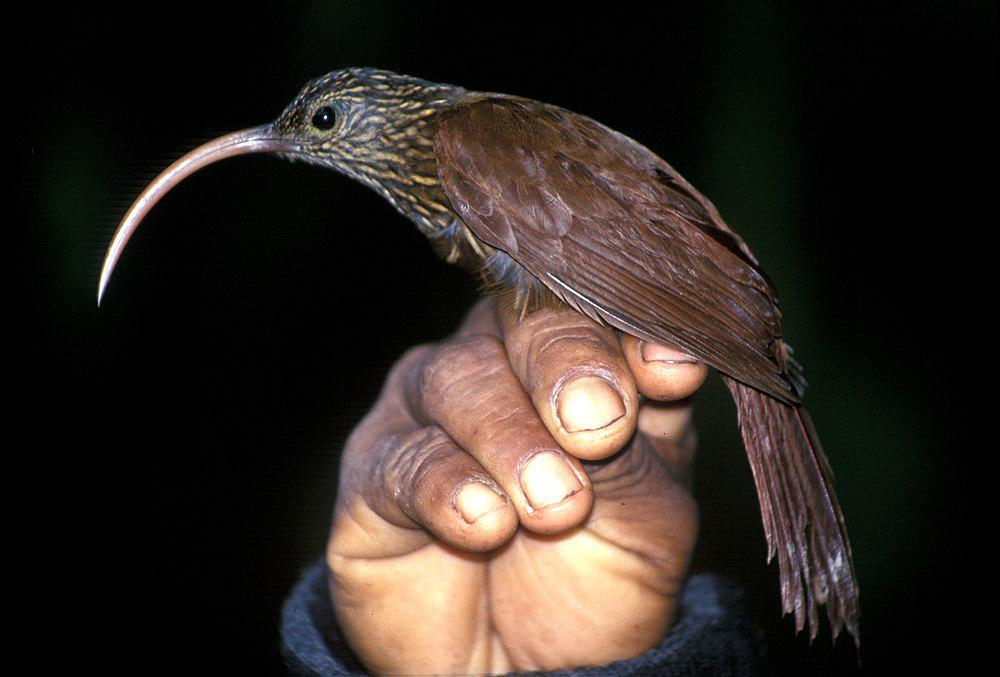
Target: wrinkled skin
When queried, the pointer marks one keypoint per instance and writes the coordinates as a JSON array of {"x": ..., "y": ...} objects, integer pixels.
[{"x": 498, "y": 510}]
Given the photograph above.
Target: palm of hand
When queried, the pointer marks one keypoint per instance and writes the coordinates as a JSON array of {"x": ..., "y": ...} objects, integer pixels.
[{"x": 429, "y": 575}]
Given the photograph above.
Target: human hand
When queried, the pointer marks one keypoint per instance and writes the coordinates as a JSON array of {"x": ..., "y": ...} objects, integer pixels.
[{"x": 496, "y": 511}]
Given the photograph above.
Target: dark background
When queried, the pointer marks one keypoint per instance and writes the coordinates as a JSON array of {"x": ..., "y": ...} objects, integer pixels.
[{"x": 180, "y": 456}]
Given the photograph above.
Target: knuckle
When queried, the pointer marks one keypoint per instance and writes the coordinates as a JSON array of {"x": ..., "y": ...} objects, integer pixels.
[
  {"x": 410, "y": 359},
  {"x": 458, "y": 361},
  {"x": 412, "y": 461},
  {"x": 575, "y": 341},
  {"x": 570, "y": 345}
]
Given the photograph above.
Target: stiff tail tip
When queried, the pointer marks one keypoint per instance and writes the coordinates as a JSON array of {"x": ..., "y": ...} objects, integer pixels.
[{"x": 802, "y": 518}]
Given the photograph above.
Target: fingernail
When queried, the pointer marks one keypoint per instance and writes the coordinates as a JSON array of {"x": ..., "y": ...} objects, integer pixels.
[
  {"x": 588, "y": 403},
  {"x": 475, "y": 500},
  {"x": 547, "y": 479},
  {"x": 654, "y": 352}
]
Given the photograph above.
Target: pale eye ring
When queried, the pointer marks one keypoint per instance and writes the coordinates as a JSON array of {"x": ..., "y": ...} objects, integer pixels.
[{"x": 324, "y": 118}]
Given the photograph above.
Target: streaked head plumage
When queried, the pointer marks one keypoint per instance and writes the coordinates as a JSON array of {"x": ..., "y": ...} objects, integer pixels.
[{"x": 363, "y": 116}]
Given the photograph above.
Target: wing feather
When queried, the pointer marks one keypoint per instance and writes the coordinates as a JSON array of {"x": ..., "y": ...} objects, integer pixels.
[{"x": 614, "y": 231}]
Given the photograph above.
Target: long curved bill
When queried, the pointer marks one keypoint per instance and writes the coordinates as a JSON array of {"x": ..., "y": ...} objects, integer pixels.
[{"x": 261, "y": 139}]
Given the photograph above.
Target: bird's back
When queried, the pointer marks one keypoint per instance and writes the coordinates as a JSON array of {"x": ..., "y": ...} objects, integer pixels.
[{"x": 612, "y": 230}]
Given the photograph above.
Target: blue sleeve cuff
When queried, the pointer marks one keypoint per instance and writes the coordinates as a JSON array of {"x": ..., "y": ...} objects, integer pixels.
[{"x": 712, "y": 635}]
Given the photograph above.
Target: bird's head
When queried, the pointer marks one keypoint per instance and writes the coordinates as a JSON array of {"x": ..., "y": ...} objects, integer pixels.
[
  {"x": 363, "y": 122},
  {"x": 369, "y": 124}
]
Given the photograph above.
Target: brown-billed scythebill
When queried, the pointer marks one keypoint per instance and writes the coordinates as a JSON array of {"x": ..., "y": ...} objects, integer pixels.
[{"x": 551, "y": 207}]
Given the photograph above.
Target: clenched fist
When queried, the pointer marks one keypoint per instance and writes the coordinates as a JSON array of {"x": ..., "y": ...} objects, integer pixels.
[{"x": 517, "y": 499}]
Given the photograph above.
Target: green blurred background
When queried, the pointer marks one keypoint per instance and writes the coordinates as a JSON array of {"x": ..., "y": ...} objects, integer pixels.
[{"x": 184, "y": 438}]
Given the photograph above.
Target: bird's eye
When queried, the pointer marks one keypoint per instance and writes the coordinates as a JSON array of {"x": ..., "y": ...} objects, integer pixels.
[{"x": 324, "y": 118}]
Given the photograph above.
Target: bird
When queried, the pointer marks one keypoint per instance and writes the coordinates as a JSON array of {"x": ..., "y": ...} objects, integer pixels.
[{"x": 549, "y": 207}]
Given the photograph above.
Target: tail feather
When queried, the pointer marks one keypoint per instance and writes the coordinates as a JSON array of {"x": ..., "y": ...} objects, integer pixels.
[{"x": 802, "y": 518}]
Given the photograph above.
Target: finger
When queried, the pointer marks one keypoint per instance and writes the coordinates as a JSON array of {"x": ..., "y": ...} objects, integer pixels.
[
  {"x": 668, "y": 428},
  {"x": 426, "y": 479},
  {"x": 575, "y": 373},
  {"x": 663, "y": 372},
  {"x": 466, "y": 387},
  {"x": 481, "y": 319}
]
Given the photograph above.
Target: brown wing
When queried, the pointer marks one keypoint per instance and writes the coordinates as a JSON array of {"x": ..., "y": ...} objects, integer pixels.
[{"x": 613, "y": 231}]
